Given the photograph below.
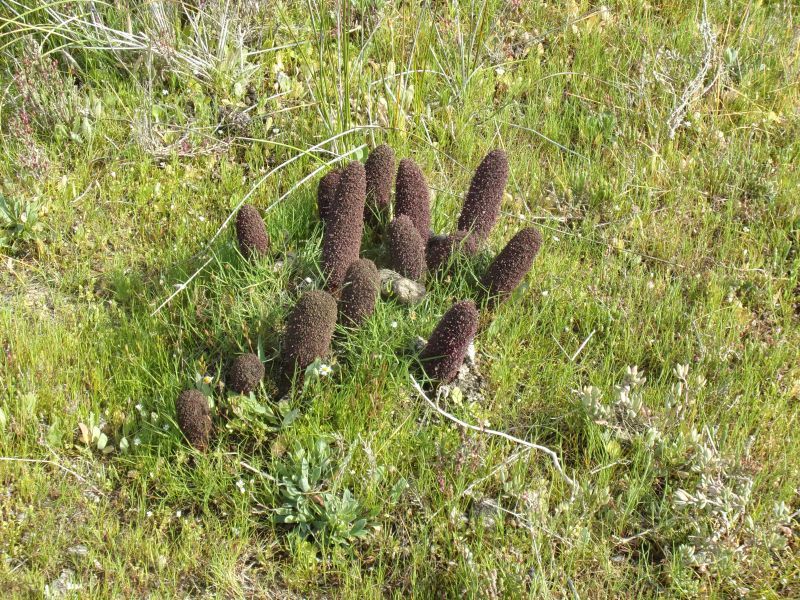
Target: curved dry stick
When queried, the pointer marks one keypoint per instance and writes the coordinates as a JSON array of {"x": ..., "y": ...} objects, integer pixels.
[{"x": 553, "y": 456}]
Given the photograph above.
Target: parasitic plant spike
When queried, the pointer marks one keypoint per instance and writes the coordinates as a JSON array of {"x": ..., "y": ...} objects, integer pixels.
[
  {"x": 412, "y": 197},
  {"x": 251, "y": 232},
  {"x": 194, "y": 418},
  {"x": 359, "y": 293},
  {"x": 326, "y": 193},
  {"x": 344, "y": 225},
  {"x": 441, "y": 247},
  {"x": 482, "y": 204},
  {"x": 406, "y": 248},
  {"x": 509, "y": 268},
  {"x": 309, "y": 330},
  {"x": 245, "y": 373},
  {"x": 379, "y": 170},
  {"x": 447, "y": 346}
]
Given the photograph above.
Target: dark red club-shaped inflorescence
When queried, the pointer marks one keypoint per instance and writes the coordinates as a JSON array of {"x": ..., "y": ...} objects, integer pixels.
[
  {"x": 412, "y": 197},
  {"x": 406, "y": 248},
  {"x": 482, "y": 204},
  {"x": 447, "y": 346},
  {"x": 251, "y": 232},
  {"x": 326, "y": 193},
  {"x": 441, "y": 247},
  {"x": 194, "y": 418},
  {"x": 379, "y": 169},
  {"x": 509, "y": 268},
  {"x": 309, "y": 330},
  {"x": 359, "y": 293},
  {"x": 245, "y": 373},
  {"x": 344, "y": 224}
]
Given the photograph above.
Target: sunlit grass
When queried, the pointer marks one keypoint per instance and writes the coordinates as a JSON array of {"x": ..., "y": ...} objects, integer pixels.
[{"x": 126, "y": 287}]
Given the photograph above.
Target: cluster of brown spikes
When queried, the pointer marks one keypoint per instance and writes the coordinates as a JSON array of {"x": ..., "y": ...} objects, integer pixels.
[{"x": 346, "y": 200}]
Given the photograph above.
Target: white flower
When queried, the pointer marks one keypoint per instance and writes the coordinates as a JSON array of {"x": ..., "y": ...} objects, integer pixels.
[
  {"x": 149, "y": 513},
  {"x": 136, "y": 441},
  {"x": 164, "y": 92},
  {"x": 393, "y": 325},
  {"x": 325, "y": 370},
  {"x": 178, "y": 513},
  {"x": 240, "y": 485},
  {"x": 207, "y": 379}
]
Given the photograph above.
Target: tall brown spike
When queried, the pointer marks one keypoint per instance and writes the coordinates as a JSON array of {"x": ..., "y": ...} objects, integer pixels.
[
  {"x": 380, "y": 177},
  {"x": 344, "y": 225},
  {"x": 482, "y": 203},
  {"x": 309, "y": 330},
  {"x": 406, "y": 248},
  {"x": 413, "y": 197},
  {"x": 447, "y": 346},
  {"x": 509, "y": 268},
  {"x": 326, "y": 192},
  {"x": 359, "y": 293},
  {"x": 251, "y": 232}
]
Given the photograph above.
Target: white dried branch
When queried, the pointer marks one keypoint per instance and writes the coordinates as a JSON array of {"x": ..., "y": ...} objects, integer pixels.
[{"x": 553, "y": 456}]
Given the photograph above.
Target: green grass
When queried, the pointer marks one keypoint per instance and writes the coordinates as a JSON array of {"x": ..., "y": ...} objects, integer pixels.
[{"x": 661, "y": 252}]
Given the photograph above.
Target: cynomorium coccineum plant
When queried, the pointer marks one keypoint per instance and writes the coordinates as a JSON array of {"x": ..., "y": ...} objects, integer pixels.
[
  {"x": 344, "y": 224},
  {"x": 412, "y": 197},
  {"x": 245, "y": 373},
  {"x": 406, "y": 248},
  {"x": 359, "y": 293},
  {"x": 447, "y": 346},
  {"x": 194, "y": 418},
  {"x": 379, "y": 170},
  {"x": 441, "y": 247},
  {"x": 512, "y": 264},
  {"x": 309, "y": 330},
  {"x": 251, "y": 232},
  {"x": 482, "y": 203},
  {"x": 326, "y": 193}
]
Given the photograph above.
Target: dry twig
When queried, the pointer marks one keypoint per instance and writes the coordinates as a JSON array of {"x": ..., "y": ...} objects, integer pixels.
[{"x": 553, "y": 456}]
